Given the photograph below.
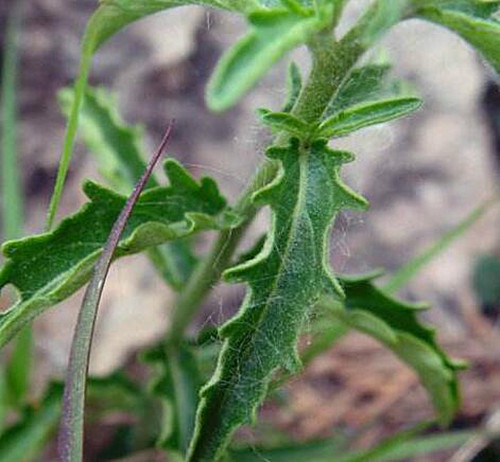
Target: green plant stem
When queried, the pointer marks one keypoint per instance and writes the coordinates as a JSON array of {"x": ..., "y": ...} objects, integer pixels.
[
  {"x": 209, "y": 270},
  {"x": 17, "y": 373},
  {"x": 332, "y": 62},
  {"x": 11, "y": 184}
]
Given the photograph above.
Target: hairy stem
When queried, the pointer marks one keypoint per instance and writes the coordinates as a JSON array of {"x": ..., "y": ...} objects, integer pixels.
[{"x": 332, "y": 62}]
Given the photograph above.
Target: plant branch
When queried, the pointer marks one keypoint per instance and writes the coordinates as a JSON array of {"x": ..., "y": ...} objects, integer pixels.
[{"x": 332, "y": 62}]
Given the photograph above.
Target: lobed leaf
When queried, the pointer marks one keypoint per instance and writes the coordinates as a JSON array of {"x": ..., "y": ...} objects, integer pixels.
[
  {"x": 473, "y": 20},
  {"x": 119, "y": 153},
  {"x": 272, "y": 34},
  {"x": 48, "y": 268},
  {"x": 109, "y": 18},
  {"x": 395, "y": 324},
  {"x": 285, "y": 279},
  {"x": 364, "y": 115}
]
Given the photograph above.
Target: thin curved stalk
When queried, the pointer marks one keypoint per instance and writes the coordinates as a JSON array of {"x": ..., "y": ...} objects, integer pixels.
[{"x": 70, "y": 443}]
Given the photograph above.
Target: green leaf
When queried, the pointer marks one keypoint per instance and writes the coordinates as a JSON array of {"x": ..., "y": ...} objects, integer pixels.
[
  {"x": 177, "y": 382},
  {"x": 110, "y": 17},
  {"x": 283, "y": 121},
  {"x": 368, "y": 83},
  {"x": 272, "y": 35},
  {"x": 293, "y": 87},
  {"x": 414, "y": 266},
  {"x": 395, "y": 324},
  {"x": 403, "y": 446},
  {"x": 473, "y": 20},
  {"x": 25, "y": 440},
  {"x": 119, "y": 154},
  {"x": 363, "y": 115},
  {"x": 48, "y": 268},
  {"x": 285, "y": 279},
  {"x": 118, "y": 148},
  {"x": 18, "y": 370},
  {"x": 384, "y": 14}
]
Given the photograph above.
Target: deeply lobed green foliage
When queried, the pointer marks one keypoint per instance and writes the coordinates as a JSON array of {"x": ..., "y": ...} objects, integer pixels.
[{"x": 288, "y": 274}]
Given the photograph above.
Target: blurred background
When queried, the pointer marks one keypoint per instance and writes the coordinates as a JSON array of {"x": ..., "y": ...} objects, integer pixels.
[{"x": 422, "y": 175}]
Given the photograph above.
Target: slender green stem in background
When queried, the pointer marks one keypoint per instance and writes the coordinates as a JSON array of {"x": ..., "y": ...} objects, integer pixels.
[
  {"x": 332, "y": 62},
  {"x": 12, "y": 211},
  {"x": 17, "y": 373},
  {"x": 70, "y": 443},
  {"x": 414, "y": 266},
  {"x": 69, "y": 139},
  {"x": 209, "y": 271}
]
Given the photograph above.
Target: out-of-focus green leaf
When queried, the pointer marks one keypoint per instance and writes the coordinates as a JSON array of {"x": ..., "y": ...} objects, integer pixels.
[
  {"x": 25, "y": 440},
  {"x": 272, "y": 34},
  {"x": 486, "y": 280},
  {"x": 177, "y": 382},
  {"x": 48, "y": 268},
  {"x": 395, "y": 324},
  {"x": 117, "y": 147},
  {"x": 18, "y": 370},
  {"x": 317, "y": 451},
  {"x": 403, "y": 446},
  {"x": 473, "y": 20},
  {"x": 110, "y": 17},
  {"x": 364, "y": 115},
  {"x": 293, "y": 87}
]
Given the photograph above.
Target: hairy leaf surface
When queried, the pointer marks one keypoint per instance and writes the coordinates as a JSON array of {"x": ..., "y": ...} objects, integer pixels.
[
  {"x": 285, "y": 279},
  {"x": 110, "y": 17},
  {"x": 368, "y": 83},
  {"x": 48, "y": 268},
  {"x": 272, "y": 34},
  {"x": 364, "y": 115},
  {"x": 119, "y": 152}
]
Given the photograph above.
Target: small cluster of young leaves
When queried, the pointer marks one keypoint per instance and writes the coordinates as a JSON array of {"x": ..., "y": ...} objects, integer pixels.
[
  {"x": 48, "y": 268},
  {"x": 368, "y": 97}
]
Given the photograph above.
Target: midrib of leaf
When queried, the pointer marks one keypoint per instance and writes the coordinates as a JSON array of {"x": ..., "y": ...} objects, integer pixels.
[{"x": 283, "y": 285}]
